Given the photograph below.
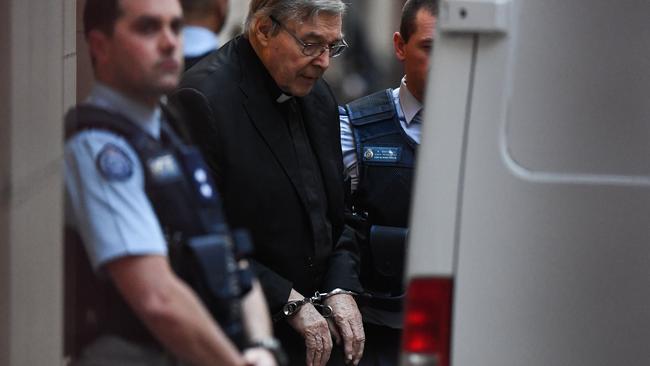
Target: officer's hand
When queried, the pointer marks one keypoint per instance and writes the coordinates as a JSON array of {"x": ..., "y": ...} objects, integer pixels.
[
  {"x": 313, "y": 328},
  {"x": 348, "y": 325},
  {"x": 259, "y": 357}
]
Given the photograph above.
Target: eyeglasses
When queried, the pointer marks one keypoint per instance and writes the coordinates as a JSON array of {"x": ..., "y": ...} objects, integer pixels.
[{"x": 315, "y": 49}]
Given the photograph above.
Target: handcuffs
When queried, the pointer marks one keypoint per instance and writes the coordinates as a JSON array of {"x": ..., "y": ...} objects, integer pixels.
[{"x": 292, "y": 307}]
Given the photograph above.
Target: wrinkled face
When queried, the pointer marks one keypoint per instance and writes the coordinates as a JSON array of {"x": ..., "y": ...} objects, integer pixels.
[
  {"x": 282, "y": 54},
  {"x": 143, "y": 56},
  {"x": 415, "y": 53}
]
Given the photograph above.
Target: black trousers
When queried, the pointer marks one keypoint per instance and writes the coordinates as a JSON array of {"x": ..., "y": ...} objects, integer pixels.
[{"x": 382, "y": 345}]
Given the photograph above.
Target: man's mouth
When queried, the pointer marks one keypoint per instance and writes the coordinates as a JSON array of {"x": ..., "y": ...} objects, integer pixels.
[{"x": 169, "y": 65}]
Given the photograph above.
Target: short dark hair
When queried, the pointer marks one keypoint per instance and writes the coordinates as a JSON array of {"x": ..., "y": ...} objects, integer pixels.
[
  {"x": 101, "y": 15},
  {"x": 409, "y": 13},
  {"x": 194, "y": 7}
]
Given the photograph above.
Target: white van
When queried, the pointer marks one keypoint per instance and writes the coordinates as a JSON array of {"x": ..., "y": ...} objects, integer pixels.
[{"x": 530, "y": 228}]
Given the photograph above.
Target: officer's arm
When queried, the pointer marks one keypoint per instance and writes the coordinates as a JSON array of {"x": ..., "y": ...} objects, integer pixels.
[
  {"x": 172, "y": 311},
  {"x": 256, "y": 315},
  {"x": 258, "y": 326}
]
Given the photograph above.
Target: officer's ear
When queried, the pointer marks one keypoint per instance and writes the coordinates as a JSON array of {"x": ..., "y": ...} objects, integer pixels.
[
  {"x": 98, "y": 45},
  {"x": 400, "y": 46},
  {"x": 263, "y": 30}
]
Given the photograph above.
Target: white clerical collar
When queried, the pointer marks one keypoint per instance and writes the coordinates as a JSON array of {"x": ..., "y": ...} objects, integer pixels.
[
  {"x": 410, "y": 105},
  {"x": 197, "y": 41},
  {"x": 283, "y": 98},
  {"x": 105, "y": 97}
]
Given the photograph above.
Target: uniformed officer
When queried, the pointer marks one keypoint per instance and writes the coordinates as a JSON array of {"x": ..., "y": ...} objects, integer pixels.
[
  {"x": 379, "y": 137},
  {"x": 204, "y": 19},
  {"x": 142, "y": 203}
]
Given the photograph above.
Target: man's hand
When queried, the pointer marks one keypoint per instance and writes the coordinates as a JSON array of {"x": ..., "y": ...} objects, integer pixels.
[
  {"x": 314, "y": 329},
  {"x": 348, "y": 325},
  {"x": 259, "y": 356}
]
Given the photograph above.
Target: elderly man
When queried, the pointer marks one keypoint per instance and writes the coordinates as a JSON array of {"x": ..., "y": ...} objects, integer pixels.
[
  {"x": 379, "y": 135},
  {"x": 203, "y": 20},
  {"x": 268, "y": 125},
  {"x": 141, "y": 201}
]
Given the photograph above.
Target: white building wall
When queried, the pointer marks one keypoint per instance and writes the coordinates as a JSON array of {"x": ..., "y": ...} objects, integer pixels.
[{"x": 37, "y": 82}]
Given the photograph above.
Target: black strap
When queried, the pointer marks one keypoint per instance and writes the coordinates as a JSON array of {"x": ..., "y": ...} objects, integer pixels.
[
  {"x": 375, "y": 107},
  {"x": 88, "y": 117}
]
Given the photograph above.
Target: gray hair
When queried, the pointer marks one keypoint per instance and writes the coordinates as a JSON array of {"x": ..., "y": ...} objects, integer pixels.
[{"x": 283, "y": 10}]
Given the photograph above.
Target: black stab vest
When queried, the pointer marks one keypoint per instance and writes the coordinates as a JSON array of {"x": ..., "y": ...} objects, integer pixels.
[
  {"x": 381, "y": 201},
  {"x": 385, "y": 157},
  {"x": 201, "y": 248}
]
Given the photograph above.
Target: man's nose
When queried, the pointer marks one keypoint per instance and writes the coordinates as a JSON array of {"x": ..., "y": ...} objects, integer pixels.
[
  {"x": 169, "y": 40},
  {"x": 323, "y": 61}
]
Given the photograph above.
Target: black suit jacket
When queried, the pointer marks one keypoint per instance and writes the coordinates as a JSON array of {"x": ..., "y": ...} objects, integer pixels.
[
  {"x": 193, "y": 60},
  {"x": 229, "y": 103}
]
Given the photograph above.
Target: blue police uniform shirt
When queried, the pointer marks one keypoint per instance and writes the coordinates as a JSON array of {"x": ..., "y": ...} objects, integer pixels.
[
  {"x": 407, "y": 107},
  {"x": 105, "y": 196},
  {"x": 197, "y": 41}
]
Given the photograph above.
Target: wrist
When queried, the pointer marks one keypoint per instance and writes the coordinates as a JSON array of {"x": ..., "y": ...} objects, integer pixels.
[
  {"x": 336, "y": 293},
  {"x": 290, "y": 309},
  {"x": 273, "y": 346}
]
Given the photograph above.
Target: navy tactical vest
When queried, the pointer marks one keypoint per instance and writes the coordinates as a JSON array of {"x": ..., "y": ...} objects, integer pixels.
[
  {"x": 385, "y": 158},
  {"x": 201, "y": 248}
]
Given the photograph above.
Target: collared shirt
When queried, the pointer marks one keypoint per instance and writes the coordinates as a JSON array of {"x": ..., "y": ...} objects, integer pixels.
[
  {"x": 112, "y": 213},
  {"x": 198, "y": 41},
  {"x": 107, "y": 98},
  {"x": 407, "y": 107}
]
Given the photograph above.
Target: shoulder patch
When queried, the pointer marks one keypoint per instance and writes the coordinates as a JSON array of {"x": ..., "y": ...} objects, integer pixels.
[{"x": 114, "y": 164}]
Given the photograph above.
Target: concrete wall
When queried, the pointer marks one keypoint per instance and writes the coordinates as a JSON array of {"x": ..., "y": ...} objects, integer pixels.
[
  {"x": 237, "y": 14},
  {"x": 37, "y": 83},
  {"x": 5, "y": 130}
]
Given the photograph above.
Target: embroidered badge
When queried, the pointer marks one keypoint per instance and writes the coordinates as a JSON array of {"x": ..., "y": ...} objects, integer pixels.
[
  {"x": 387, "y": 154},
  {"x": 163, "y": 167},
  {"x": 114, "y": 164}
]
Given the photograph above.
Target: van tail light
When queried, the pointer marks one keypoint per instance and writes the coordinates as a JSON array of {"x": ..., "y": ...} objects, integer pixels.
[{"x": 427, "y": 325}]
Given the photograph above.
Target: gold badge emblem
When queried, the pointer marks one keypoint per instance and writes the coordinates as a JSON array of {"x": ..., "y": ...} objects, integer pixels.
[{"x": 368, "y": 154}]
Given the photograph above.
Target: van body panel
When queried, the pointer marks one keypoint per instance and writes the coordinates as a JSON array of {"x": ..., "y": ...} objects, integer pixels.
[
  {"x": 436, "y": 214},
  {"x": 551, "y": 209}
]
